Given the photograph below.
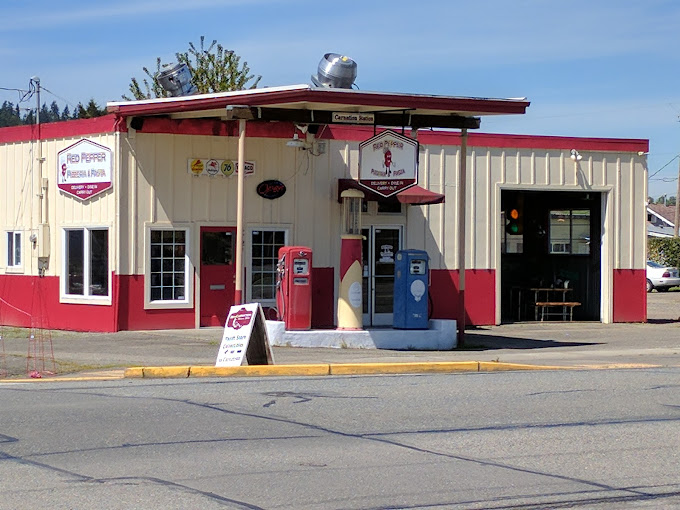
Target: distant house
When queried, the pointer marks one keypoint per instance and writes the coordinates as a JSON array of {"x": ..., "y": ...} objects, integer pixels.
[{"x": 660, "y": 220}]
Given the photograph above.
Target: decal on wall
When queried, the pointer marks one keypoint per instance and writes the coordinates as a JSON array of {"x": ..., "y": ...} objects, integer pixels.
[{"x": 215, "y": 167}]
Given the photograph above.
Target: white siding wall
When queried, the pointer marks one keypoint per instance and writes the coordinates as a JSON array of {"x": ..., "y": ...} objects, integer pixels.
[{"x": 20, "y": 205}]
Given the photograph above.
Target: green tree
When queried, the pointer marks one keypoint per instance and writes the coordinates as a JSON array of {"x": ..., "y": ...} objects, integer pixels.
[
  {"x": 9, "y": 115},
  {"x": 90, "y": 111},
  {"x": 213, "y": 69}
]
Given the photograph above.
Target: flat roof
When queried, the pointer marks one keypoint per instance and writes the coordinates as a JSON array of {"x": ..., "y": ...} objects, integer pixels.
[{"x": 301, "y": 102}]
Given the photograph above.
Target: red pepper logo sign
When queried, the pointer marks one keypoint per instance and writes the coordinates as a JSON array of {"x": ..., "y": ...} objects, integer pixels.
[
  {"x": 388, "y": 162},
  {"x": 239, "y": 319}
]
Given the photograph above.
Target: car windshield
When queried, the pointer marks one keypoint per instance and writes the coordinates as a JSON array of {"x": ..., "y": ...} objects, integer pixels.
[{"x": 651, "y": 263}]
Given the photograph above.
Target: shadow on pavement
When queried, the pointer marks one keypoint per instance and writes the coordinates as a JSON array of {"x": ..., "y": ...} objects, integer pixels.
[{"x": 481, "y": 342}]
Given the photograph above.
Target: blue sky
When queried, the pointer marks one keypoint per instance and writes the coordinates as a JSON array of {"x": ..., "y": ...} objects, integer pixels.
[{"x": 590, "y": 68}]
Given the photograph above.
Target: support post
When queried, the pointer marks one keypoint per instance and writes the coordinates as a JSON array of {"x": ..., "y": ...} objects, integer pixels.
[
  {"x": 241, "y": 171},
  {"x": 462, "y": 185}
]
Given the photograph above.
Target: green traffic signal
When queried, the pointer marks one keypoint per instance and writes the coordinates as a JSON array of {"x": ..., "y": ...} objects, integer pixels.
[{"x": 514, "y": 225}]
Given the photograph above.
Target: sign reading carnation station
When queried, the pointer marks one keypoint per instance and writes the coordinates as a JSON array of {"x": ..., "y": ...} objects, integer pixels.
[
  {"x": 85, "y": 169},
  {"x": 388, "y": 163}
]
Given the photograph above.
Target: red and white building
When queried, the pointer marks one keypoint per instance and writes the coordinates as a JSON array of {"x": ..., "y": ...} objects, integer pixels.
[{"x": 129, "y": 221}]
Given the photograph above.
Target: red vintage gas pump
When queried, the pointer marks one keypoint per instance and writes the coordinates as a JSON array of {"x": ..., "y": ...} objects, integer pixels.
[{"x": 294, "y": 287}]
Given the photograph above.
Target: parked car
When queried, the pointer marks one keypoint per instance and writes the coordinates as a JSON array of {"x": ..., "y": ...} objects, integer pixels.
[{"x": 661, "y": 277}]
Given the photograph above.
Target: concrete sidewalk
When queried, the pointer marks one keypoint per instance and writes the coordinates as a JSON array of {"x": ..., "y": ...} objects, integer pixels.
[{"x": 553, "y": 344}]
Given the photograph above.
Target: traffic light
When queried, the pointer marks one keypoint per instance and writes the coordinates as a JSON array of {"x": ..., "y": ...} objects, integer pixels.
[{"x": 514, "y": 221}]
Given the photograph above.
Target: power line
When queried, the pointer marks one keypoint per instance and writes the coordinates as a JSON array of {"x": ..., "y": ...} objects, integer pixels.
[
  {"x": 674, "y": 158},
  {"x": 59, "y": 97}
]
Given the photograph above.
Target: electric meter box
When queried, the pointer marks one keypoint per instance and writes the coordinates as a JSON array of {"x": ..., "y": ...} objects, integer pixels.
[{"x": 411, "y": 282}]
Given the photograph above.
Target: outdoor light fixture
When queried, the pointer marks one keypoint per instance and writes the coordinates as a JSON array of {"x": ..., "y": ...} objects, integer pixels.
[
  {"x": 575, "y": 155},
  {"x": 296, "y": 142}
]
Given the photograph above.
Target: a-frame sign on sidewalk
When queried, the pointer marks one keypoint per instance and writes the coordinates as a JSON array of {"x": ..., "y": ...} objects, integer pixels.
[{"x": 245, "y": 340}]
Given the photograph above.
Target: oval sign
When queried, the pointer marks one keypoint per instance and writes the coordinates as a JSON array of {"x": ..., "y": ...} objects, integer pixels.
[{"x": 271, "y": 189}]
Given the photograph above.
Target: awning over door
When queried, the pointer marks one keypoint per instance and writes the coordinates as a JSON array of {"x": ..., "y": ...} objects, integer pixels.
[{"x": 415, "y": 195}]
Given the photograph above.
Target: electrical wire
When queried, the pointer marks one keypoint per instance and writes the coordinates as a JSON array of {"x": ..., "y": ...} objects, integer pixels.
[
  {"x": 674, "y": 158},
  {"x": 59, "y": 97}
]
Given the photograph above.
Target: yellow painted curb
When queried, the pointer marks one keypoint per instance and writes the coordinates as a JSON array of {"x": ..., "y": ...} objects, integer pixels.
[
  {"x": 182, "y": 371},
  {"x": 259, "y": 370},
  {"x": 403, "y": 368},
  {"x": 496, "y": 366},
  {"x": 134, "y": 372}
]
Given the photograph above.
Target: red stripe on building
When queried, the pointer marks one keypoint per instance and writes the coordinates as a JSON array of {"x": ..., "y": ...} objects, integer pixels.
[{"x": 66, "y": 129}]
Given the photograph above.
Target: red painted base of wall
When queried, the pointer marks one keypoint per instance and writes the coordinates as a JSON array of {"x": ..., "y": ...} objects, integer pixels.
[
  {"x": 323, "y": 299},
  {"x": 132, "y": 316},
  {"x": 27, "y": 301},
  {"x": 32, "y": 302},
  {"x": 630, "y": 295},
  {"x": 480, "y": 295}
]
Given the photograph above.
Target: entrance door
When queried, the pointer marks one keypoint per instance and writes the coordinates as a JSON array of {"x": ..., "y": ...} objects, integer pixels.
[
  {"x": 380, "y": 246},
  {"x": 217, "y": 274}
]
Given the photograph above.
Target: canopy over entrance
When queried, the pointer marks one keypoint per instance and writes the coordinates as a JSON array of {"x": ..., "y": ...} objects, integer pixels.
[{"x": 414, "y": 195}]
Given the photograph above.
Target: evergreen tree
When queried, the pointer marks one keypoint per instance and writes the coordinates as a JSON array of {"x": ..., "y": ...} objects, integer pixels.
[
  {"x": 213, "y": 70},
  {"x": 90, "y": 111}
]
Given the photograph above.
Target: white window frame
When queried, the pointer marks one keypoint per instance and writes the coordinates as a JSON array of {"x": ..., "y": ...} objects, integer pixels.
[
  {"x": 87, "y": 298},
  {"x": 188, "y": 301},
  {"x": 12, "y": 266},
  {"x": 286, "y": 229}
]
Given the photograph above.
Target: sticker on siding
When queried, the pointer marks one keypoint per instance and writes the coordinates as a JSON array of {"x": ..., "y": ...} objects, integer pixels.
[{"x": 217, "y": 167}]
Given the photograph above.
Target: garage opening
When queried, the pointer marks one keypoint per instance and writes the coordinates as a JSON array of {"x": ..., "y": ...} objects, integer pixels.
[{"x": 550, "y": 255}]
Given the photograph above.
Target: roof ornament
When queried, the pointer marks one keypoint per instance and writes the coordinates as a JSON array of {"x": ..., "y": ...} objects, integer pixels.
[{"x": 335, "y": 71}]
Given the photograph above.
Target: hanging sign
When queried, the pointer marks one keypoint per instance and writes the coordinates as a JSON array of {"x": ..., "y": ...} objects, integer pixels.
[
  {"x": 84, "y": 169},
  {"x": 217, "y": 167},
  {"x": 271, "y": 189},
  {"x": 388, "y": 163},
  {"x": 353, "y": 118},
  {"x": 245, "y": 339}
]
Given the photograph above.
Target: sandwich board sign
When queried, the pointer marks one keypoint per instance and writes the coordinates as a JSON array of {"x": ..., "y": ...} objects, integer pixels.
[{"x": 245, "y": 340}]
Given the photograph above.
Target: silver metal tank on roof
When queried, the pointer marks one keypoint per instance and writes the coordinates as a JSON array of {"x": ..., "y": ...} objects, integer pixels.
[
  {"x": 335, "y": 71},
  {"x": 176, "y": 80}
]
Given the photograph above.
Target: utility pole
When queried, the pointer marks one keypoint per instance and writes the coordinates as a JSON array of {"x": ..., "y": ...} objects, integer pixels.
[{"x": 677, "y": 205}]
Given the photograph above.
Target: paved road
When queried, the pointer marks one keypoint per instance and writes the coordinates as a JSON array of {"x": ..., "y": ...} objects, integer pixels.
[{"x": 557, "y": 439}]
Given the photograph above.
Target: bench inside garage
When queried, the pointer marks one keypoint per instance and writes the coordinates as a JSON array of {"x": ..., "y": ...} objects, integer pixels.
[{"x": 553, "y": 309}]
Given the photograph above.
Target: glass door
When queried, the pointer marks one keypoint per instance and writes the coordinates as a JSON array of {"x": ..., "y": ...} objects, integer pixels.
[{"x": 379, "y": 249}]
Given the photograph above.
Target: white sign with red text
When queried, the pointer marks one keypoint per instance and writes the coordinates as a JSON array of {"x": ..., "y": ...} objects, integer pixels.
[
  {"x": 245, "y": 338},
  {"x": 85, "y": 169},
  {"x": 388, "y": 163}
]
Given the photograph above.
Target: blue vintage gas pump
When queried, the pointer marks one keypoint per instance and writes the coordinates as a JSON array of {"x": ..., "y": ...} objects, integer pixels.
[{"x": 411, "y": 278}]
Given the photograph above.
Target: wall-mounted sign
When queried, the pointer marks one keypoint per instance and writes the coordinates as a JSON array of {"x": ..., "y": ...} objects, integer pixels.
[
  {"x": 388, "y": 163},
  {"x": 84, "y": 169},
  {"x": 271, "y": 189},
  {"x": 353, "y": 118},
  {"x": 217, "y": 167}
]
